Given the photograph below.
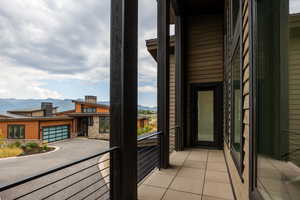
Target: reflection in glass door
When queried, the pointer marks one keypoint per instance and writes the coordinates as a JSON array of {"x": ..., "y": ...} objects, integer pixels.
[{"x": 205, "y": 104}]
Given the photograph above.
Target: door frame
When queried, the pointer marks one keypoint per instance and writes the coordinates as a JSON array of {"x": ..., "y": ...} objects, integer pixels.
[
  {"x": 217, "y": 87},
  {"x": 83, "y": 124}
]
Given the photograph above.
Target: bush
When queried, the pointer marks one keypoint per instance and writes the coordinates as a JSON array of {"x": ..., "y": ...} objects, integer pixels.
[
  {"x": 17, "y": 144},
  {"x": 45, "y": 147},
  {"x": 10, "y": 152},
  {"x": 32, "y": 145},
  {"x": 142, "y": 131}
]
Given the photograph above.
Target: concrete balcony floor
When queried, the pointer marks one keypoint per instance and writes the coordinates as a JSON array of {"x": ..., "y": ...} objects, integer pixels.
[{"x": 195, "y": 174}]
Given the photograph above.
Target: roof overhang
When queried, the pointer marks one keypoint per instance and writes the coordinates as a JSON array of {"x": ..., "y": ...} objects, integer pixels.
[
  {"x": 152, "y": 46},
  {"x": 194, "y": 7},
  {"x": 35, "y": 119},
  {"x": 90, "y": 104},
  {"x": 88, "y": 114}
]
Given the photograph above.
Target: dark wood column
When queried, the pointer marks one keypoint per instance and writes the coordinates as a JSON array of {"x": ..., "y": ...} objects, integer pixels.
[
  {"x": 179, "y": 84},
  {"x": 163, "y": 58},
  {"x": 123, "y": 98}
]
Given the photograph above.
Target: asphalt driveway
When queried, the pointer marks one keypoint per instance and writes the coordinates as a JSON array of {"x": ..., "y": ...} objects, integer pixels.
[{"x": 15, "y": 169}]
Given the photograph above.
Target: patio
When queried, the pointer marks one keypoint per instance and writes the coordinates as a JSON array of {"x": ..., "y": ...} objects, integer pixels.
[{"x": 195, "y": 174}]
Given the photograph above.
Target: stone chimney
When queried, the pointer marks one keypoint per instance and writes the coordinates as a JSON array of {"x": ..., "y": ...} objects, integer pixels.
[
  {"x": 91, "y": 99},
  {"x": 48, "y": 109}
]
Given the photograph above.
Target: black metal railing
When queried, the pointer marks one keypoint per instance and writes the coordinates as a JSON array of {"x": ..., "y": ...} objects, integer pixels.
[
  {"x": 88, "y": 178},
  {"x": 148, "y": 154}
]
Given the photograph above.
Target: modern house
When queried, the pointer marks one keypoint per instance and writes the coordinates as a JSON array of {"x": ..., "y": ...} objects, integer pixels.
[
  {"x": 87, "y": 119},
  {"x": 228, "y": 104},
  {"x": 36, "y": 125}
]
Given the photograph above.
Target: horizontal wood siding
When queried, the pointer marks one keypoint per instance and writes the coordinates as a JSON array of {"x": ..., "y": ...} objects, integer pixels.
[
  {"x": 172, "y": 103},
  {"x": 242, "y": 187},
  {"x": 203, "y": 54},
  {"x": 294, "y": 96}
]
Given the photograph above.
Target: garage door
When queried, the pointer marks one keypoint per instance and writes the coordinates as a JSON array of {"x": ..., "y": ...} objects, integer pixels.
[{"x": 55, "y": 133}]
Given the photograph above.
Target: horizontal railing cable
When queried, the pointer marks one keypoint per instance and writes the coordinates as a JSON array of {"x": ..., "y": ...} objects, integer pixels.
[
  {"x": 148, "y": 153},
  {"x": 82, "y": 180}
]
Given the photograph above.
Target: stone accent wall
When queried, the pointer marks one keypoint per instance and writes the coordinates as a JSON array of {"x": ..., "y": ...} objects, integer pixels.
[{"x": 93, "y": 131}]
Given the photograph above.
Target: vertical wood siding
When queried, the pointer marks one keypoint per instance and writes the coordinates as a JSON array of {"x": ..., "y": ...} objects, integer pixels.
[
  {"x": 203, "y": 54},
  {"x": 242, "y": 188}
]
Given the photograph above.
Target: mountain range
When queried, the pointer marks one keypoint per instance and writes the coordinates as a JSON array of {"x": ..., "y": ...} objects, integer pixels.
[{"x": 63, "y": 104}]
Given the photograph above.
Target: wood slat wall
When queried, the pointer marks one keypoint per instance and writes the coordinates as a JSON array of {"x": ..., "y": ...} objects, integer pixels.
[
  {"x": 294, "y": 95},
  {"x": 172, "y": 103},
  {"x": 203, "y": 55},
  {"x": 242, "y": 188}
]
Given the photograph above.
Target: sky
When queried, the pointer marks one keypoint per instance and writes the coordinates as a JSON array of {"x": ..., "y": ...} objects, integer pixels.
[
  {"x": 294, "y": 6},
  {"x": 60, "y": 49}
]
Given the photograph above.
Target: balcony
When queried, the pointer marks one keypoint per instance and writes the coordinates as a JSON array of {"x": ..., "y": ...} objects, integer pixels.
[{"x": 194, "y": 174}]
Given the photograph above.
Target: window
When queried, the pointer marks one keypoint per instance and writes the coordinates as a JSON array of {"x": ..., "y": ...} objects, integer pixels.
[
  {"x": 227, "y": 71},
  {"x": 277, "y": 152},
  {"x": 237, "y": 112},
  {"x": 235, "y": 6},
  {"x": 104, "y": 125},
  {"x": 233, "y": 82},
  {"x": 16, "y": 131},
  {"x": 89, "y": 110}
]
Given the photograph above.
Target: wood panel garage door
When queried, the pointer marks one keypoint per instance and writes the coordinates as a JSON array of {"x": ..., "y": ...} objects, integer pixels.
[{"x": 56, "y": 133}]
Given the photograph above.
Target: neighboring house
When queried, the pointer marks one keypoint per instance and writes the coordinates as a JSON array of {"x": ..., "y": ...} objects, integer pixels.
[
  {"x": 88, "y": 119},
  {"x": 91, "y": 118}
]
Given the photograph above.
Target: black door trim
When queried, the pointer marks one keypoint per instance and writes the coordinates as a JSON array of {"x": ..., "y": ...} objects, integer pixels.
[{"x": 218, "y": 113}]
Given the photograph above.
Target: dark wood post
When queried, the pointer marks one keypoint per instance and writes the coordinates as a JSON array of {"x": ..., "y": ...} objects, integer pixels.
[
  {"x": 179, "y": 74},
  {"x": 123, "y": 98},
  {"x": 163, "y": 18}
]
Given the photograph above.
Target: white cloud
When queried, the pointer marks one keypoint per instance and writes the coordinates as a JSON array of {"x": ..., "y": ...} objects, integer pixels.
[
  {"x": 147, "y": 89},
  {"x": 25, "y": 83},
  {"x": 294, "y": 6},
  {"x": 65, "y": 39}
]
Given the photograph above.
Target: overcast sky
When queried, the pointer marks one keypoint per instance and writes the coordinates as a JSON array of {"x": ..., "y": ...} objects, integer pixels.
[
  {"x": 294, "y": 6},
  {"x": 60, "y": 49}
]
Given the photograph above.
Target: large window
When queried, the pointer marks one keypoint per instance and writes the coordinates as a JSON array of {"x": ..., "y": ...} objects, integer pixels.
[
  {"x": 233, "y": 82},
  {"x": 235, "y": 8},
  {"x": 89, "y": 110},
  {"x": 104, "y": 125},
  {"x": 16, "y": 131},
  {"x": 278, "y": 100},
  {"x": 237, "y": 112}
]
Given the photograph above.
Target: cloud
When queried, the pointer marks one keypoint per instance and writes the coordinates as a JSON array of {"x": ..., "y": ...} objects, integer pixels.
[
  {"x": 294, "y": 6},
  {"x": 60, "y": 37},
  {"x": 65, "y": 39},
  {"x": 147, "y": 89},
  {"x": 25, "y": 83}
]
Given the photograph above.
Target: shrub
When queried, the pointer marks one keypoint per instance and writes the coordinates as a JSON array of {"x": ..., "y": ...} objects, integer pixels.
[
  {"x": 146, "y": 129},
  {"x": 32, "y": 145},
  {"x": 2, "y": 139},
  {"x": 23, "y": 146},
  {"x": 17, "y": 144},
  {"x": 45, "y": 147},
  {"x": 10, "y": 152}
]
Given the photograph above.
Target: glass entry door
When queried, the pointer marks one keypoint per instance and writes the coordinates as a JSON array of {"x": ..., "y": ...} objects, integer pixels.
[{"x": 206, "y": 114}]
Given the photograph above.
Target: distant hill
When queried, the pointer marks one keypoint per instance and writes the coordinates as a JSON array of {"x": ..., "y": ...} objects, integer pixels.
[{"x": 63, "y": 104}]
